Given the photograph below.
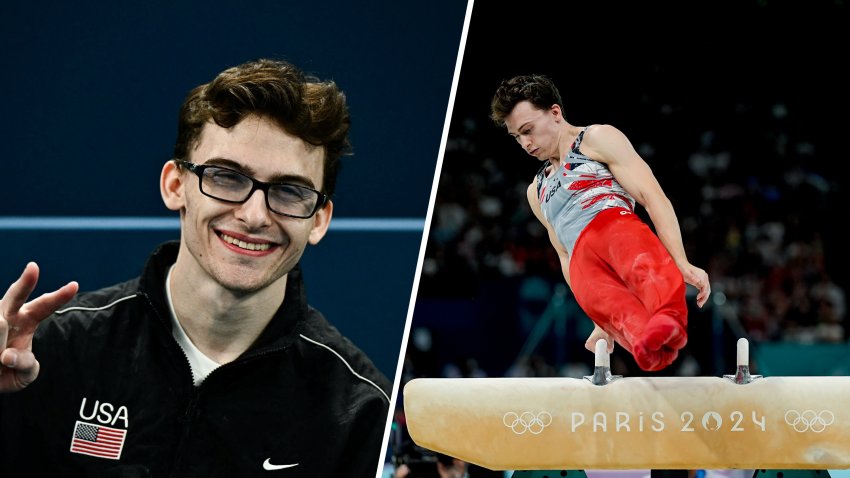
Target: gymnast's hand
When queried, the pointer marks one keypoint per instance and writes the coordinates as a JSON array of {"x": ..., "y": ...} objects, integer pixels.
[
  {"x": 597, "y": 334},
  {"x": 699, "y": 279},
  {"x": 18, "y": 321}
]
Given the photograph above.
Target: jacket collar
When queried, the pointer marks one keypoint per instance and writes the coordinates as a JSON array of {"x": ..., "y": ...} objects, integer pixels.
[{"x": 281, "y": 330}]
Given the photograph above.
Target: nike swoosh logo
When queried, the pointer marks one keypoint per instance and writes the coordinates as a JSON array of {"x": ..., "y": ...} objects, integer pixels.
[{"x": 268, "y": 466}]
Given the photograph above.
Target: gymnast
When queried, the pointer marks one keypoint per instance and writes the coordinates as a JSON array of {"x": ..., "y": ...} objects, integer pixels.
[{"x": 627, "y": 279}]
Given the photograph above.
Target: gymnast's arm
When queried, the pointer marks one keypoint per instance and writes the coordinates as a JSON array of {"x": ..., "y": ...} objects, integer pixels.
[
  {"x": 563, "y": 256},
  {"x": 564, "y": 259},
  {"x": 609, "y": 145}
]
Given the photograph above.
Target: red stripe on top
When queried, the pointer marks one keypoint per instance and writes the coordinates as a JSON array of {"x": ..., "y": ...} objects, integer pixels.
[
  {"x": 104, "y": 446},
  {"x": 96, "y": 453}
]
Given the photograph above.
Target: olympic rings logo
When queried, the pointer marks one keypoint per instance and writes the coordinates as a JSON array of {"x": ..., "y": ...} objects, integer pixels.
[
  {"x": 527, "y": 422},
  {"x": 809, "y": 420}
]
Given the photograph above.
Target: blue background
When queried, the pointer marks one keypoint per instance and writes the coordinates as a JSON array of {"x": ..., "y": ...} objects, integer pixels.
[{"x": 91, "y": 95}]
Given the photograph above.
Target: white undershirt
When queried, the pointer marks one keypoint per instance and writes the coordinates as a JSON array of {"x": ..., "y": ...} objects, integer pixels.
[{"x": 201, "y": 364}]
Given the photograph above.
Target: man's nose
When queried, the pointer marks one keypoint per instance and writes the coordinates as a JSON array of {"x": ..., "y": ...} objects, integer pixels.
[{"x": 254, "y": 211}]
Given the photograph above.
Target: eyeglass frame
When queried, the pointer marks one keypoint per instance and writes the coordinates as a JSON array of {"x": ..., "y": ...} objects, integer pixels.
[{"x": 198, "y": 170}]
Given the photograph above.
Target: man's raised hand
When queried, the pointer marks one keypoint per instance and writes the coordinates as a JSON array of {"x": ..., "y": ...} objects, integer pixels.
[{"x": 18, "y": 321}]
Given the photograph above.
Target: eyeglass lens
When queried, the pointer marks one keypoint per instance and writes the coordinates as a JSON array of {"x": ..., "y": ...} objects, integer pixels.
[{"x": 229, "y": 185}]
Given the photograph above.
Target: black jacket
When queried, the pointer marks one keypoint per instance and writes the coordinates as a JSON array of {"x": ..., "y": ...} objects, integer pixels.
[{"x": 301, "y": 395}]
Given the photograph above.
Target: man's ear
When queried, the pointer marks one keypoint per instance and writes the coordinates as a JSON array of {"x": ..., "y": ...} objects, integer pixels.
[
  {"x": 321, "y": 221},
  {"x": 555, "y": 110},
  {"x": 171, "y": 186}
]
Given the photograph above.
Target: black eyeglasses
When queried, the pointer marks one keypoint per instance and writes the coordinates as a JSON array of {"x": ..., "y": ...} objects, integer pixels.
[{"x": 232, "y": 186}]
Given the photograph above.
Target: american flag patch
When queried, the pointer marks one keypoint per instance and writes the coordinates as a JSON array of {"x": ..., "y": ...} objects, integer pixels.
[{"x": 97, "y": 440}]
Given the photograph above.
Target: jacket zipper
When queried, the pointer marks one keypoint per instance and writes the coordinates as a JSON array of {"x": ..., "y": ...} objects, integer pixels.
[{"x": 191, "y": 412}]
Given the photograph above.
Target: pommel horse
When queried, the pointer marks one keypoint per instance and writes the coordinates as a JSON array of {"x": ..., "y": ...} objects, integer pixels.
[{"x": 739, "y": 421}]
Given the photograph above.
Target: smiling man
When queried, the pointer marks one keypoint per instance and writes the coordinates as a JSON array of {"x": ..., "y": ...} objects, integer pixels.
[{"x": 211, "y": 363}]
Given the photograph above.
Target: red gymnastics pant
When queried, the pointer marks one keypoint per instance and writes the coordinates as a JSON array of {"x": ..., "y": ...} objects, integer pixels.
[{"x": 627, "y": 283}]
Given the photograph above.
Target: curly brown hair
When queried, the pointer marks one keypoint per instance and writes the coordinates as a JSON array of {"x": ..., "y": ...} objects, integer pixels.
[
  {"x": 303, "y": 105},
  {"x": 537, "y": 89}
]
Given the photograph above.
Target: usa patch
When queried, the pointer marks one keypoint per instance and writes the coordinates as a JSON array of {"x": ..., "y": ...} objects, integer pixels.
[{"x": 97, "y": 440}]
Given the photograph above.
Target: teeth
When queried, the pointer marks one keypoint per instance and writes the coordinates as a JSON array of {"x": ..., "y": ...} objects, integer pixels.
[{"x": 245, "y": 245}]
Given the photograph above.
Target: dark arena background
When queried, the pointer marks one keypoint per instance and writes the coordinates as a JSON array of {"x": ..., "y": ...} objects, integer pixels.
[{"x": 740, "y": 109}]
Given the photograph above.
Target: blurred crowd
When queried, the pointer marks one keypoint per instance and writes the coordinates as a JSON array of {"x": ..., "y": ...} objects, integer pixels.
[{"x": 757, "y": 199}]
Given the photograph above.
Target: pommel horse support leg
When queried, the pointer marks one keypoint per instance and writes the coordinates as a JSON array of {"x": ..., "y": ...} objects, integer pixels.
[{"x": 665, "y": 423}]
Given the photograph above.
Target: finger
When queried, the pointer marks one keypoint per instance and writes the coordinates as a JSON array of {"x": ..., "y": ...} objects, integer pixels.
[
  {"x": 24, "y": 364},
  {"x": 18, "y": 292},
  {"x": 702, "y": 297},
  {"x": 40, "y": 308},
  {"x": 9, "y": 358},
  {"x": 4, "y": 333}
]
